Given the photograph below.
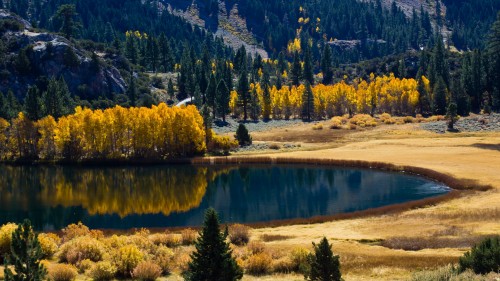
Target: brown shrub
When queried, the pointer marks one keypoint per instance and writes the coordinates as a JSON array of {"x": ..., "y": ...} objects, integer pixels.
[
  {"x": 188, "y": 236},
  {"x": 318, "y": 126},
  {"x": 75, "y": 230},
  {"x": 256, "y": 247},
  {"x": 419, "y": 243},
  {"x": 147, "y": 271},
  {"x": 274, "y": 237},
  {"x": 62, "y": 272},
  {"x": 274, "y": 146},
  {"x": 158, "y": 238},
  {"x": 299, "y": 259},
  {"x": 283, "y": 265},
  {"x": 173, "y": 240},
  {"x": 239, "y": 234},
  {"x": 259, "y": 264},
  {"x": 408, "y": 119},
  {"x": 84, "y": 265}
]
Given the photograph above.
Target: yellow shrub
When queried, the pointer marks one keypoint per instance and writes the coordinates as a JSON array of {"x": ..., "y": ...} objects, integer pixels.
[
  {"x": 221, "y": 144},
  {"x": 362, "y": 119},
  {"x": 385, "y": 116},
  {"x": 146, "y": 271},
  {"x": 299, "y": 259},
  {"x": 115, "y": 241},
  {"x": 128, "y": 257},
  {"x": 258, "y": 264},
  {"x": 62, "y": 272},
  {"x": 141, "y": 241},
  {"x": 352, "y": 126},
  {"x": 158, "y": 238},
  {"x": 48, "y": 245},
  {"x": 164, "y": 258},
  {"x": 6, "y": 238},
  {"x": 75, "y": 230},
  {"x": 188, "y": 236},
  {"x": 81, "y": 248},
  {"x": 256, "y": 247},
  {"x": 103, "y": 271},
  {"x": 182, "y": 261},
  {"x": 336, "y": 123},
  {"x": 408, "y": 119},
  {"x": 239, "y": 234},
  {"x": 173, "y": 240},
  {"x": 390, "y": 121},
  {"x": 318, "y": 126},
  {"x": 84, "y": 265}
]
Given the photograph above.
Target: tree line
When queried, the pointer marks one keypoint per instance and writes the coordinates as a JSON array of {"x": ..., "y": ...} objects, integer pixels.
[{"x": 160, "y": 132}]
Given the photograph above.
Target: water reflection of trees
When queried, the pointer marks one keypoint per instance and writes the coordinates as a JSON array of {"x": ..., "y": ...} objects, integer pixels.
[{"x": 122, "y": 191}]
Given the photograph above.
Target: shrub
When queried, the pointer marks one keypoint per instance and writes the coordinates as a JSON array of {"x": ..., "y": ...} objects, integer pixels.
[
  {"x": 256, "y": 247},
  {"x": 384, "y": 116},
  {"x": 221, "y": 144},
  {"x": 84, "y": 265},
  {"x": 352, "y": 126},
  {"x": 242, "y": 136},
  {"x": 390, "y": 121},
  {"x": 258, "y": 264},
  {"x": 103, "y": 271},
  {"x": 158, "y": 238},
  {"x": 163, "y": 257},
  {"x": 299, "y": 259},
  {"x": 146, "y": 271},
  {"x": 128, "y": 257},
  {"x": 81, "y": 248},
  {"x": 318, "y": 126},
  {"x": 62, "y": 272},
  {"x": 408, "y": 119},
  {"x": 274, "y": 237},
  {"x": 188, "y": 236},
  {"x": 448, "y": 273},
  {"x": 48, "y": 245},
  {"x": 274, "y": 146},
  {"x": 6, "y": 238},
  {"x": 362, "y": 119},
  {"x": 173, "y": 240},
  {"x": 283, "y": 265},
  {"x": 239, "y": 234},
  {"x": 75, "y": 230},
  {"x": 482, "y": 258}
]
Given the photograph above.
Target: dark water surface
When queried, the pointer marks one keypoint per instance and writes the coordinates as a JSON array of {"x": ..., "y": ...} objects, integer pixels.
[{"x": 163, "y": 196}]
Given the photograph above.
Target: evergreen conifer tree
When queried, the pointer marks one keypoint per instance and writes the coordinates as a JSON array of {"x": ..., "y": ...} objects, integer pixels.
[
  {"x": 324, "y": 265},
  {"x": 308, "y": 67},
  {"x": 307, "y": 103},
  {"x": 494, "y": 54},
  {"x": 326, "y": 65},
  {"x": 26, "y": 254},
  {"x": 67, "y": 14},
  {"x": 212, "y": 260},
  {"x": 254, "y": 105},
  {"x": 439, "y": 104},
  {"x": 296, "y": 69},
  {"x": 13, "y": 107},
  {"x": 242, "y": 135},
  {"x": 223, "y": 96},
  {"x": 132, "y": 91},
  {"x": 33, "y": 104}
]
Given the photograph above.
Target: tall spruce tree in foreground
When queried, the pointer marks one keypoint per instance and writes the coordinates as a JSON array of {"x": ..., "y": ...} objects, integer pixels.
[
  {"x": 212, "y": 260},
  {"x": 25, "y": 256},
  {"x": 325, "y": 266},
  {"x": 307, "y": 103}
]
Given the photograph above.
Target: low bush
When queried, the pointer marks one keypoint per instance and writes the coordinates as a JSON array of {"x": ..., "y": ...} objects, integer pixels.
[
  {"x": 483, "y": 257},
  {"x": 75, "y": 230},
  {"x": 274, "y": 146},
  {"x": 147, "y": 271},
  {"x": 239, "y": 234},
  {"x": 363, "y": 120},
  {"x": 48, "y": 245},
  {"x": 274, "y": 237},
  {"x": 158, "y": 238},
  {"x": 84, "y": 265},
  {"x": 299, "y": 260},
  {"x": 127, "y": 258},
  {"x": 164, "y": 257},
  {"x": 336, "y": 124},
  {"x": 62, "y": 272},
  {"x": 256, "y": 247},
  {"x": 446, "y": 273},
  {"x": 283, "y": 265},
  {"x": 6, "y": 238},
  {"x": 103, "y": 271},
  {"x": 174, "y": 240},
  {"x": 188, "y": 236},
  {"x": 318, "y": 126},
  {"x": 81, "y": 248},
  {"x": 243, "y": 136},
  {"x": 408, "y": 119},
  {"x": 259, "y": 264}
]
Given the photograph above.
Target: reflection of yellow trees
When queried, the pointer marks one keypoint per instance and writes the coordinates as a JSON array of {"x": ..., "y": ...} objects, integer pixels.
[{"x": 146, "y": 190}]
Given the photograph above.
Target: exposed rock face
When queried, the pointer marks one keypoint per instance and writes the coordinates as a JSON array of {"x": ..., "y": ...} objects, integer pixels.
[{"x": 46, "y": 54}]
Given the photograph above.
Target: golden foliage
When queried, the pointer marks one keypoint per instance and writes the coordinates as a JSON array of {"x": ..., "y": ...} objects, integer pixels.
[
  {"x": 103, "y": 271},
  {"x": 147, "y": 271},
  {"x": 81, "y": 248},
  {"x": 6, "y": 237},
  {"x": 258, "y": 264},
  {"x": 62, "y": 272},
  {"x": 48, "y": 243},
  {"x": 127, "y": 258}
]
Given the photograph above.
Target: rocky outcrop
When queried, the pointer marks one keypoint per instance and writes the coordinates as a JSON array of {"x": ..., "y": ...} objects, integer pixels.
[{"x": 47, "y": 54}]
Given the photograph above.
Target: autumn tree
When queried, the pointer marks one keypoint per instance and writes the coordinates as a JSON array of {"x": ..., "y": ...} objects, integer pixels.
[{"x": 243, "y": 92}]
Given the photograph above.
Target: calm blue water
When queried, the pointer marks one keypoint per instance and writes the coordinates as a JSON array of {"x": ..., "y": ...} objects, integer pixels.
[{"x": 163, "y": 196}]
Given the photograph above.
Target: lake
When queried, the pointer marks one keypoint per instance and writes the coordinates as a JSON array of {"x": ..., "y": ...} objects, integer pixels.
[{"x": 127, "y": 197}]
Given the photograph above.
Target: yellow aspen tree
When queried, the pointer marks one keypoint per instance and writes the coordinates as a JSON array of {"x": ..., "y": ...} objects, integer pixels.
[{"x": 46, "y": 144}]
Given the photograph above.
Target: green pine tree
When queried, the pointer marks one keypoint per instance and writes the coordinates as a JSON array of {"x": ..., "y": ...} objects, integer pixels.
[
  {"x": 307, "y": 103},
  {"x": 212, "y": 260},
  {"x": 33, "y": 104},
  {"x": 439, "y": 105},
  {"x": 132, "y": 91},
  {"x": 170, "y": 88},
  {"x": 26, "y": 254},
  {"x": 308, "y": 67},
  {"x": 67, "y": 14},
  {"x": 494, "y": 54},
  {"x": 326, "y": 65},
  {"x": 222, "y": 100},
  {"x": 451, "y": 115},
  {"x": 296, "y": 69},
  {"x": 324, "y": 265},
  {"x": 242, "y": 136},
  {"x": 70, "y": 58},
  {"x": 13, "y": 107},
  {"x": 255, "y": 108}
]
